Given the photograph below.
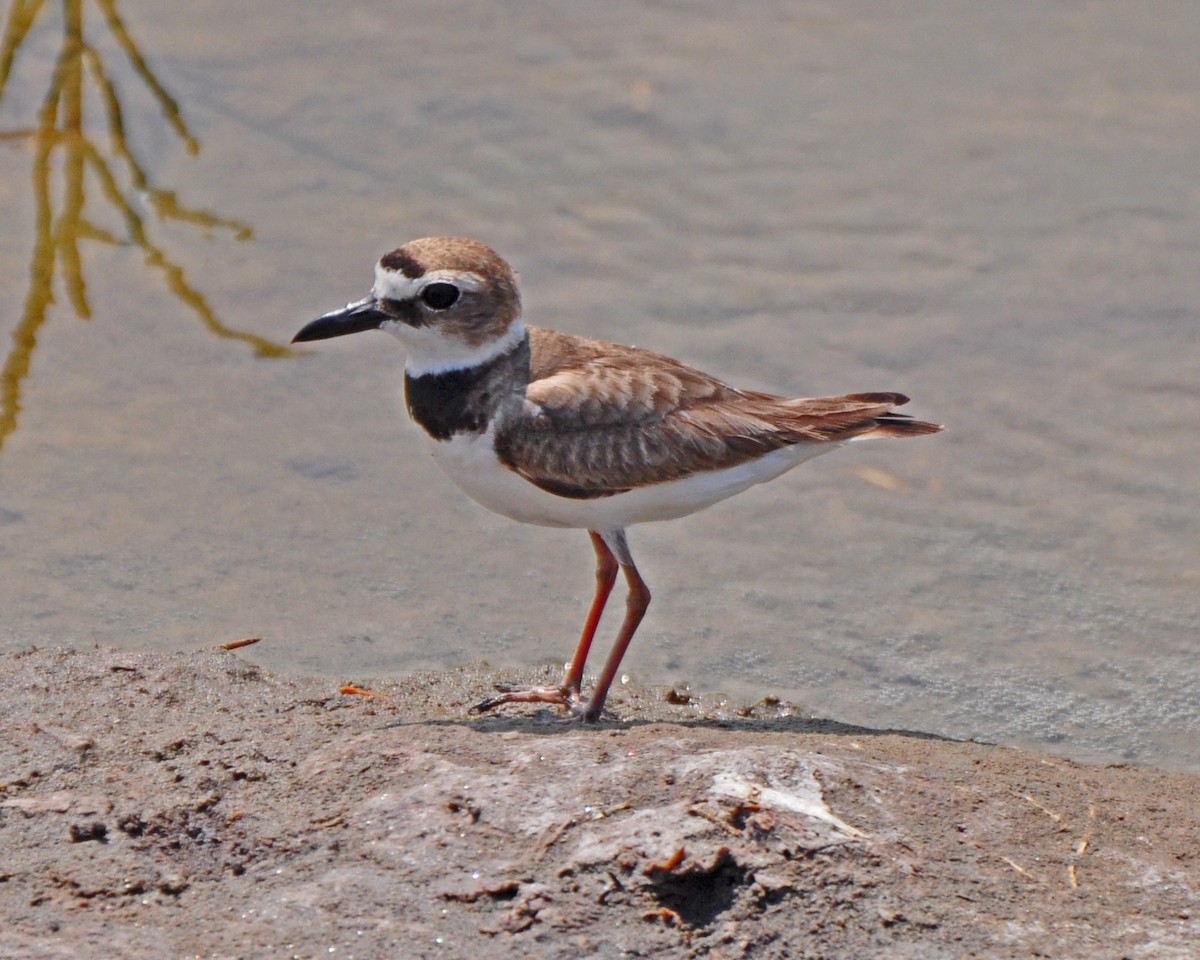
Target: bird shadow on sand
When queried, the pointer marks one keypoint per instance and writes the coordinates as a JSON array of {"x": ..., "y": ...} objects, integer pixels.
[{"x": 545, "y": 724}]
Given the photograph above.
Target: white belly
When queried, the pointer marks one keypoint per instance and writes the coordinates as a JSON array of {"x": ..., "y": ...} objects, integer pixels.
[{"x": 471, "y": 463}]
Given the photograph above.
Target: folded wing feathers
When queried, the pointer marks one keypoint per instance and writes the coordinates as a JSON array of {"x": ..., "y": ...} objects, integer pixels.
[{"x": 597, "y": 424}]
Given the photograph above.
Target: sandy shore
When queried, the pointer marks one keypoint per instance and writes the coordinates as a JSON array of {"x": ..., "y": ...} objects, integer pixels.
[{"x": 196, "y": 805}]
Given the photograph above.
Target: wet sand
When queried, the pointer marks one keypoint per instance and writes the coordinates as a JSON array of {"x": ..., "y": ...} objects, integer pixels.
[{"x": 197, "y": 805}]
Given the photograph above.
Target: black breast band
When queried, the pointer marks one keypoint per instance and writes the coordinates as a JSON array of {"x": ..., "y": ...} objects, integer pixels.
[{"x": 463, "y": 401}]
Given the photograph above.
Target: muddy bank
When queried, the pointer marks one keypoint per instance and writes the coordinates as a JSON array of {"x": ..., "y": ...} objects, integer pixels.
[{"x": 196, "y": 805}]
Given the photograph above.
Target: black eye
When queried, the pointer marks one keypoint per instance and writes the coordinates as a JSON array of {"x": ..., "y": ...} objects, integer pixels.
[{"x": 439, "y": 296}]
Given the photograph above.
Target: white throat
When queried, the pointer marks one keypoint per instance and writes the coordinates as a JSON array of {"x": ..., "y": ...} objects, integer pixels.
[{"x": 431, "y": 351}]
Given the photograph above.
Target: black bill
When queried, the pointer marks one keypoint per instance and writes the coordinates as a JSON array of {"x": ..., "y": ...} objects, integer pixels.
[{"x": 352, "y": 318}]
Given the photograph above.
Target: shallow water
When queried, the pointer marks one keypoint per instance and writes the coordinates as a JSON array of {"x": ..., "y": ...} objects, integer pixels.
[{"x": 993, "y": 208}]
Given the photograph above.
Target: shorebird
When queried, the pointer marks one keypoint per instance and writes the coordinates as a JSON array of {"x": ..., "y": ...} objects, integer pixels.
[{"x": 564, "y": 431}]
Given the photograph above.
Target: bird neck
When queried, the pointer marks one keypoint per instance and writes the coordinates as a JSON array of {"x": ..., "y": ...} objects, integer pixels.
[{"x": 467, "y": 399}]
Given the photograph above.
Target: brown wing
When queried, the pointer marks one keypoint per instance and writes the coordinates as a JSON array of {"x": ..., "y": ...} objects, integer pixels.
[{"x": 601, "y": 418}]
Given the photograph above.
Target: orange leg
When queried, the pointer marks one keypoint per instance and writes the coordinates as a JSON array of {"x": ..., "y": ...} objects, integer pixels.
[
  {"x": 606, "y": 576},
  {"x": 636, "y": 602},
  {"x": 568, "y": 695}
]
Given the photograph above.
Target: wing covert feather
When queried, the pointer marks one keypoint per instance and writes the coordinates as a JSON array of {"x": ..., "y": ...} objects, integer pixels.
[{"x": 600, "y": 419}]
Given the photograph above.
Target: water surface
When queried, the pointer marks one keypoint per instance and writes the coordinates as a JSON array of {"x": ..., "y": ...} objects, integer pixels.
[{"x": 992, "y": 208}]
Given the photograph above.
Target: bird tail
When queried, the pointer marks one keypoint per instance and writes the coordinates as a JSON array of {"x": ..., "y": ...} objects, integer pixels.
[{"x": 890, "y": 423}]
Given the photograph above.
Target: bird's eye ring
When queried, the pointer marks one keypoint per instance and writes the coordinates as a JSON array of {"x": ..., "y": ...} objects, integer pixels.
[{"x": 440, "y": 296}]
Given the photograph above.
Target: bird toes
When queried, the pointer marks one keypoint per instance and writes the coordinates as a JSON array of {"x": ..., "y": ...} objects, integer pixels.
[{"x": 559, "y": 696}]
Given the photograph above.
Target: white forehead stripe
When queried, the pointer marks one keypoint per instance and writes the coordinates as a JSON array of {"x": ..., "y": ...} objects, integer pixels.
[{"x": 393, "y": 285}]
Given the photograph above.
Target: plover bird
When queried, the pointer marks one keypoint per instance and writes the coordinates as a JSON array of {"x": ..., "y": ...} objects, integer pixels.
[{"x": 564, "y": 431}]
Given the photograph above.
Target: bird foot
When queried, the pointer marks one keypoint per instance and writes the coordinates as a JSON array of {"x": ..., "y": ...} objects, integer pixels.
[{"x": 569, "y": 700}]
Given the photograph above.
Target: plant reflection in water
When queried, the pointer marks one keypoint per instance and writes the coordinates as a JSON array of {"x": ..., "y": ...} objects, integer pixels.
[{"x": 61, "y": 222}]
